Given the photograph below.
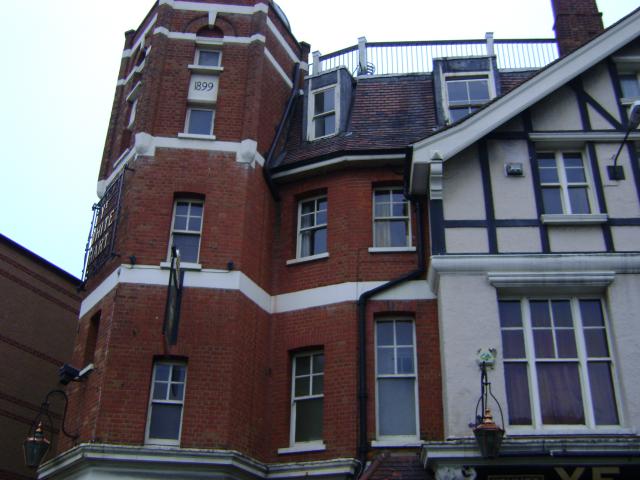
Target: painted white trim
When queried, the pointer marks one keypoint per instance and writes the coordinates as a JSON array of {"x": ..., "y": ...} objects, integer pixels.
[
  {"x": 216, "y": 8},
  {"x": 129, "y": 51},
  {"x": 589, "y": 263},
  {"x": 391, "y": 249},
  {"x": 453, "y": 140},
  {"x": 278, "y": 68},
  {"x": 396, "y": 444},
  {"x": 236, "y": 280},
  {"x": 196, "y": 136},
  {"x": 573, "y": 218},
  {"x": 503, "y": 280},
  {"x": 308, "y": 258},
  {"x": 282, "y": 41},
  {"x": 564, "y": 137},
  {"x": 123, "y": 81},
  {"x": 204, "y": 69},
  {"x": 146, "y": 145},
  {"x": 304, "y": 447},
  {"x": 336, "y": 161},
  {"x": 109, "y": 461},
  {"x": 192, "y": 37}
]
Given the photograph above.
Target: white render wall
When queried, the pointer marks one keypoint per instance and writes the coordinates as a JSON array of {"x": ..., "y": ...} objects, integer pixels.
[
  {"x": 468, "y": 318},
  {"x": 463, "y": 193}
]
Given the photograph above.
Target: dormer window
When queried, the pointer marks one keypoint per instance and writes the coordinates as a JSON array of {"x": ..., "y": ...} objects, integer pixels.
[
  {"x": 630, "y": 85},
  {"x": 465, "y": 95},
  {"x": 323, "y": 112}
]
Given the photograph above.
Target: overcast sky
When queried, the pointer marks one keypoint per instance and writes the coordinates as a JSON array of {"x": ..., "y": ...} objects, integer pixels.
[{"x": 60, "y": 69}]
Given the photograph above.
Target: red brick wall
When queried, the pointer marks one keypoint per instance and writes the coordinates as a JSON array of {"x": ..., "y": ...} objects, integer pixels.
[{"x": 575, "y": 23}]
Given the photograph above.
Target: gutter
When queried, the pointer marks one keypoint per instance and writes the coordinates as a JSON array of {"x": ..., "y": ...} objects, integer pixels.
[
  {"x": 274, "y": 144},
  {"x": 363, "y": 447}
]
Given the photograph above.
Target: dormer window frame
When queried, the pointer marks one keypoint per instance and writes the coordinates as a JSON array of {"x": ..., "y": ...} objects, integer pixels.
[
  {"x": 312, "y": 116},
  {"x": 486, "y": 75}
]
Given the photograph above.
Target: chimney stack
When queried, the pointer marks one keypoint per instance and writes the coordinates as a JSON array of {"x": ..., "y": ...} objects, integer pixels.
[{"x": 575, "y": 23}]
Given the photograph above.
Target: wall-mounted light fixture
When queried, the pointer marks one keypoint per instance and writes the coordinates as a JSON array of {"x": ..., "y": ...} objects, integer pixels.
[
  {"x": 36, "y": 444},
  {"x": 615, "y": 171},
  {"x": 488, "y": 434}
]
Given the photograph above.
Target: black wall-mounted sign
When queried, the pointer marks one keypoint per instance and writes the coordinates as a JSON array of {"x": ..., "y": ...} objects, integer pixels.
[
  {"x": 174, "y": 299},
  {"x": 102, "y": 236},
  {"x": 621, "y": 471}
]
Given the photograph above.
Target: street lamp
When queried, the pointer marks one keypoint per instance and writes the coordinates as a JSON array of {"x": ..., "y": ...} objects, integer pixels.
[
  {"x": 36, "y": 444},
  {"x": 615, "y": 171},
  {"x": 488, "y": 434}
]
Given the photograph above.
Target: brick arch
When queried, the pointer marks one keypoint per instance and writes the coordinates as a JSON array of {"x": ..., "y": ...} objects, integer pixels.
[{"x": 200, "y": 26}]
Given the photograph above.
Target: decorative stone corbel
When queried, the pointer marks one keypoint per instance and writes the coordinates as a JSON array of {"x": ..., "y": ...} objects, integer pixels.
[
  {"x": 247, "y": 152},
  {"x": 436, "y": 172},
  {"x": 212, "y": 18}
]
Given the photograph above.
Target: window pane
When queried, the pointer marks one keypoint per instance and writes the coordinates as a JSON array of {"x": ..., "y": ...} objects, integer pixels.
[
  {"x": 518, "y": 401},
  {"x": 385, "y": 361},
  {"x": 396, "y": 406},
  {"x": 302, "y": 387},
  {"x": 384, "y": 333},
  {"x": 200, "y": 122},
  {"x": 629, "y": 85},
  {"x": 398, "y": 231},
  {"x": 513, "y": 344},
  {"x": 457, "y": 91},
  {"x": 318, "y": 363},
  {"x": 308, "y": 420},
  {"x": 572, "y": 160},
  {"x": 404, "y": 333},
  {"x": 591, "y": 312},
  {"x": 307, "y": 220},
  {"x": 209, "y": 58},
  {"x": 562, "y": 313},
  {"x": 194, "y": 224},
  {"x": 308, "y": 207},
  {"x": 551, "y": 200},
  {"x": 182, "y": 208},
  {"x": 576, "y": 175},
  {"x": 320, "y": 241},
  {"x": 510, "y": 313},
  {"x": 176, "y": 391},
  {"x": 321, "y": 217},
  {"x": 162, "y": 372},
  {"x": 180, "y": 222},
  {"x": 383, "y": 209},
  {"x": 596, "y": 340},
  {"x": 165, "y": 421},
  {"x": 549, "y": 175},
  {"x": 565, "y": 409},
  {"x": 188, "y": 246},
  {"x": 602, "y": 396},
  {"x": 159, "y": 391},
  {"x": 317, "y": 387},
  {"x": 303, "y": 365},
  {"x": 543, "y": 341},
  {"x": 540, "y": 313},
  {"x": 566, "y": 344},
  {"x": 546, "y": 160},
  {"x": 579, "y": 199},
  {"x": 405, "y": 360},
  {"x": 458, "y": 113},
  {"x": 381, "y": 234},
  {"x": 478, "y": 90}
]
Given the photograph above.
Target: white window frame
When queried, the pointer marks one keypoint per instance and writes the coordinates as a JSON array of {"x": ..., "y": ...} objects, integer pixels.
[
  {"x": 397, "y": 439},
  {"x": 148, "y": 440},
  {"x": 313, "y": 444},
  {"x": 628, "y": 66},
  {"x": 582, "y": 359},
  {"x": 311, "y": 120},
  {"x": 390, "y": 218},
  {"x": 190, "y": 201},
  {"x": 466, "y": 76},
  {"x": 315, "y": 226},
  {"x": 190, "y": 108},
  {"x": 564, "y": 184},
  {"x": 200, "y": 50}
]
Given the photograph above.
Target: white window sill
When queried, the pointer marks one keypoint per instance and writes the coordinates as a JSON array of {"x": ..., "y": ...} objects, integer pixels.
[
  {"x": 408, "y": 443},
  {"x": 574, "y": 219},
  {"x": 627, "y": 101},
  {"x": 304, "y": 447},
  {"x": 205, "y": 69},
  {"x": 313, "y": 139},
  {"x": 158, "y": 442},
  {"x": 391, "y": 249},
  {"x": 310, "y": 258},
  {"x": 196, "y": 136},
  {"x": 183, "y": 265}
]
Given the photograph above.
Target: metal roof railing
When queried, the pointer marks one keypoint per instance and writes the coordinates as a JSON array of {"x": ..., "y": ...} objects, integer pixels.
[{"x": 384, "y": 58}]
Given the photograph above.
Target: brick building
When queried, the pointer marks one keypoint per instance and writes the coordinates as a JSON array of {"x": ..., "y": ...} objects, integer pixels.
[
  {"x": 38, "y": 317},
  {"x": 319, "y": 212}
]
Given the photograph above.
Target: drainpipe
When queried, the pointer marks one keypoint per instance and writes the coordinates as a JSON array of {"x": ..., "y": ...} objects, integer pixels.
[
  {"x": 362, "y": 317},
  {"x": 283, "y": 121}
]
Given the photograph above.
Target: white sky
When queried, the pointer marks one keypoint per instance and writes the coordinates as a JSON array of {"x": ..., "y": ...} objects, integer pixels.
[{"x": 61, "y": 61}]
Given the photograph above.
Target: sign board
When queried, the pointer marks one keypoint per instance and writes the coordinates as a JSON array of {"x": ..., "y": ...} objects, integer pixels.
[
  {"x": 101, "y": 242},
  {"x": 174, "y": 299},
  {"x": 616, "y": 471},
  {"x": 203, "y": 88}
]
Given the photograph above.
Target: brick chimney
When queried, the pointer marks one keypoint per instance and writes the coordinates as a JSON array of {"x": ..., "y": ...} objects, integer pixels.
[{"x": 575, "y": 23}]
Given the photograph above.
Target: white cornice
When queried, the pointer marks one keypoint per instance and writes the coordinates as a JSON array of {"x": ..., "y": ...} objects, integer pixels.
[
  {"x": 453, "y": 140},
  {"x": 131, "y": 461},
  {"x": 278, "y": 68},
  {"x": 335, "y": 161},
  {"x": 600, "y": 267},
  {"x": 215, "y": 7},
  {"x": 282, "y": 41},
  {"x": 129, "y": 51},
  {"x": 573, "y": 136},
  {"x": 236, "y": 280}
]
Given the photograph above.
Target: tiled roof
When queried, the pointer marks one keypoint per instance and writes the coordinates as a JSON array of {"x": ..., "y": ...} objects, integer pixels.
[{"x": 388, "y": 112}]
